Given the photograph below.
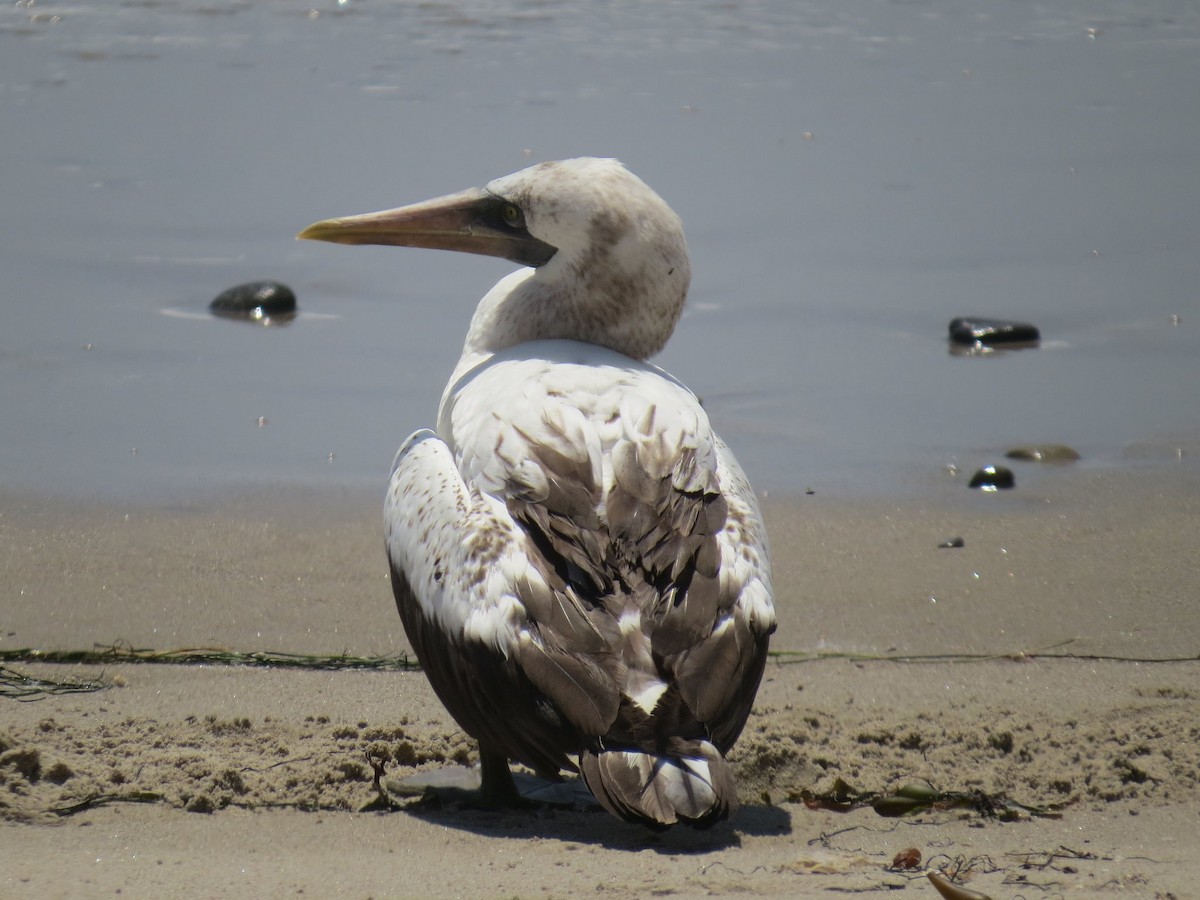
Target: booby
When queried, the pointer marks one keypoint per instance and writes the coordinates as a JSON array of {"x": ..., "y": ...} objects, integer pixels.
[{"x": 578, "y": 559}]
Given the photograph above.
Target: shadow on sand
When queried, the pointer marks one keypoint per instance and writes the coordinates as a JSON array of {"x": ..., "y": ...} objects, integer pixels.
[{"x": 594, "y": 826}]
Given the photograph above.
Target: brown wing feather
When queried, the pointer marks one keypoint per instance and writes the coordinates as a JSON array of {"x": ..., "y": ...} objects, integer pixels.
[
  {"x": 627, "y": 642},
  {"x": 718, "y": 679},
  {"x": 487, "y": 695},
  {"x": 655, "y": 550}
]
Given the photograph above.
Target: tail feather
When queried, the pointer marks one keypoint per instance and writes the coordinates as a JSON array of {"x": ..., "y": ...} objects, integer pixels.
[{"x": 695, "y": 787}]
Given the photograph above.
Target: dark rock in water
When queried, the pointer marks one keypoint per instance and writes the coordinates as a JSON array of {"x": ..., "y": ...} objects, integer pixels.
[
  {"x": 993, "y": 478},
  {"x": 1047, "y": 453},
  {"x": 256, "y": 301},
  {"x": 952, "y": 544},
  {"x": 992, "y": 331}
]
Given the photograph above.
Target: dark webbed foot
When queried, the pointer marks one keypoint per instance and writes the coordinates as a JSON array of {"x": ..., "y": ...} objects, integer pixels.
[{"x": 490, "y": 785}]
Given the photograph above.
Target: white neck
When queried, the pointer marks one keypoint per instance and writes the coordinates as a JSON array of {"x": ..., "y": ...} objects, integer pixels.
[{"x": 631, "y": 309}]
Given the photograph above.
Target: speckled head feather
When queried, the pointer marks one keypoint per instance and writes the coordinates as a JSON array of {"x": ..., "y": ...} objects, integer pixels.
[{"x": 619, "y": 277}]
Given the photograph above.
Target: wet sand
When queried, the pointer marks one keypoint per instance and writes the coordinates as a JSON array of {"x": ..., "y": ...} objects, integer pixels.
[{"x": 255, "y": 780}]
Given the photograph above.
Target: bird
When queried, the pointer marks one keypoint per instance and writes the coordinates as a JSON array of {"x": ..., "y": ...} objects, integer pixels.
[{"x": 579, "y": 562}]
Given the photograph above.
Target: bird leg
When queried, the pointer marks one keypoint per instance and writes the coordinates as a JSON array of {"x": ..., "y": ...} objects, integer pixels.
[
  {"x": 491, "y": 786},
  {"x": 498, "y": 788}
]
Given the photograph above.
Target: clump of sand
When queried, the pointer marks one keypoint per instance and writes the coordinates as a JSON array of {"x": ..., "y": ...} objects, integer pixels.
[
  {"x": 1148, "y": 752},
  {"x": 205, "y": 764}
]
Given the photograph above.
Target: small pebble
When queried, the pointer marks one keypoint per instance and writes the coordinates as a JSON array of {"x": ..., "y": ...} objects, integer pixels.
[
  {"x": 201, "y": 803},
  {"x": 952, "y": 543},
  {"x": 993, "y": 478},
  {"x": 256, "y": 301},
  {"x": 992, "y": 331},
  {"x": 1049, "y": 453}
]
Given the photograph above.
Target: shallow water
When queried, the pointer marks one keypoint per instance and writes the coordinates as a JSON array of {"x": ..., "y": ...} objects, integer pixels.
[{"x": 852, "y": 176}]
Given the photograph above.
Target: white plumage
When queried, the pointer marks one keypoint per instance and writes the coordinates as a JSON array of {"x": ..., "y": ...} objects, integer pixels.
[{"x": 578, "y": 560}]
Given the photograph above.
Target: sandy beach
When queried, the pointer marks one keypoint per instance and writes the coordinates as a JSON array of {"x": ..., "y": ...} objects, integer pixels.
[
  {"x": 851, "y": 176},
  {"x": 1015, "y": 673}
]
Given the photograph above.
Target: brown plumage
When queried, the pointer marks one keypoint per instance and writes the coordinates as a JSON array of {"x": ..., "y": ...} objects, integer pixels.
[{"x": 578, "y": 560}]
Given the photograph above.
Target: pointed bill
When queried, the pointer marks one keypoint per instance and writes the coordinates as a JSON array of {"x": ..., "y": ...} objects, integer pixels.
[{"x": 470, "y": 222}]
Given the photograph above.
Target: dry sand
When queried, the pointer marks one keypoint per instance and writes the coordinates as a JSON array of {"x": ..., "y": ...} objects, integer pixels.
[{"x": 255, "y": 780}]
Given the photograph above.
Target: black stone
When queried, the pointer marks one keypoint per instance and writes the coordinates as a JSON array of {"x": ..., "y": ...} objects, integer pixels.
[
  {"x": 255, "y": 300},
  {"x": 1047, "y": 453},
  {"x": 993, "y": 478},
  {"x": 992, "y": 331},
  {"x": 952, "y": 544}
]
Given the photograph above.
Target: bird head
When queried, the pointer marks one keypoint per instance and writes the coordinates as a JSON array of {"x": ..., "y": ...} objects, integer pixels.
[{"x": 611, "y": 255}]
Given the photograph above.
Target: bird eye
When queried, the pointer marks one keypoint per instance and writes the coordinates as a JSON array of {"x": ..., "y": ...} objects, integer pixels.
[{"x": 511, "y": 214}]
